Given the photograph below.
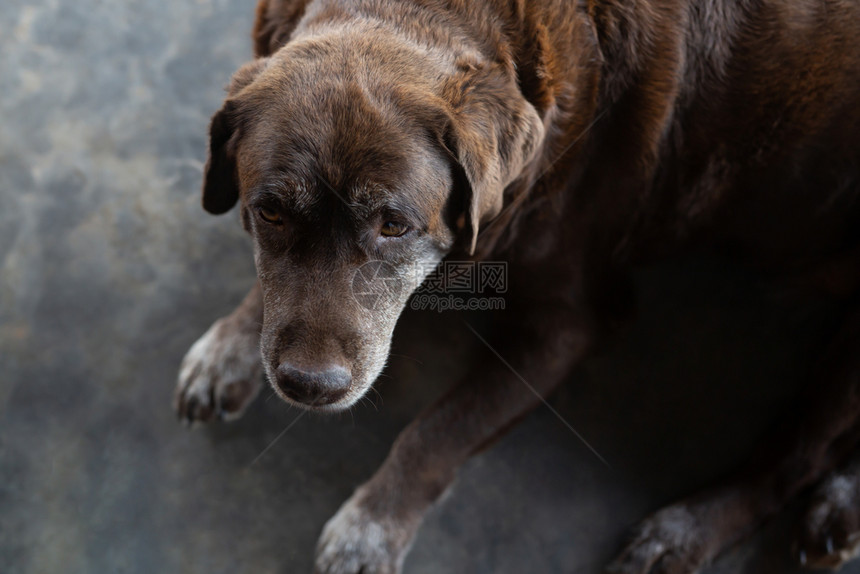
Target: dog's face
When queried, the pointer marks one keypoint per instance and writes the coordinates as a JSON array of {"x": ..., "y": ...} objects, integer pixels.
[{"x": 346, "y": 170}]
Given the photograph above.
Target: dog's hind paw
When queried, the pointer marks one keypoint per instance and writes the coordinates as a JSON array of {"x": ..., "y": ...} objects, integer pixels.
[
  {"x": 354, "y": 542},
  {"x": 672, "y": 541},
  {"x": 220, "y": 375},
  {"x": 830, "y": 533}
]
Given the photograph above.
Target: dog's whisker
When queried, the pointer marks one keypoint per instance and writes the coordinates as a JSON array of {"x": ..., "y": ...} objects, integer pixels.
[
  {"x": 350, "y": 411},
  {"x": 538, "y": 395},
  {"x": 277, "y": 438},
  {"x": 407, "y": 357},
  {"x": 368, "y": 400},
  {"x": 378, "y": 394}
]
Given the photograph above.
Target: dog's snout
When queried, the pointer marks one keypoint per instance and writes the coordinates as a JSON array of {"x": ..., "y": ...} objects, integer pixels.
[{"x": 314, "y": 387}]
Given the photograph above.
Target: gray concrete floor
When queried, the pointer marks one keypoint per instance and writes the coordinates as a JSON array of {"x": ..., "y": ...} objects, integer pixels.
[{"x": 109, "y": 270}]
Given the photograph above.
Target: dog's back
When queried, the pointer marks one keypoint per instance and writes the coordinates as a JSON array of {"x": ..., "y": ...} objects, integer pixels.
[
  {"x": 727, "y": 122},
  {"x": 765, "y": 143}
]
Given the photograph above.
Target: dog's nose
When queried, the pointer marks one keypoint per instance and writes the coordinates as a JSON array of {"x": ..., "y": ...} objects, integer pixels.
[{"x": 313, "y": 387}]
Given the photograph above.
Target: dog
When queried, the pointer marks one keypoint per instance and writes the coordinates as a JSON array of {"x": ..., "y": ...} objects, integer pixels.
[{"x": 570, "y": 140}]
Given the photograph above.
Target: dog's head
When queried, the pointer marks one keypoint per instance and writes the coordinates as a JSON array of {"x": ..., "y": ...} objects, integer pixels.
[{"x": 359, "y": 163}]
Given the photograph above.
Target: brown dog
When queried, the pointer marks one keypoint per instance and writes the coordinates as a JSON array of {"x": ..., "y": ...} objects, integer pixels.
[{"x": 568, "y": 139}]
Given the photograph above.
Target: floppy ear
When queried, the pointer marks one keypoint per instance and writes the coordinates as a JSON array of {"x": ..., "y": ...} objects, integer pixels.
[
  {"x": 220, "y": 186},
  {"x": 493, "y": 133}
]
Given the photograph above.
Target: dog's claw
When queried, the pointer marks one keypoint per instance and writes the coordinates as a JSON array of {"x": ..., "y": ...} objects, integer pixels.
[
  {"x": 192, "y": 409},
  {"x": 674, "y": 539},
  {"x": 220, "y": 375},
  {"x": 354, "y": 541},
  {"x": 830, "y": 531}
]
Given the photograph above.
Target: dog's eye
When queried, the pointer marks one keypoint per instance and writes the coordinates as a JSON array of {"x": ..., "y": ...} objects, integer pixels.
[
  {"x": 393, "y": 229},
  {"x": 270, "y": 215}
]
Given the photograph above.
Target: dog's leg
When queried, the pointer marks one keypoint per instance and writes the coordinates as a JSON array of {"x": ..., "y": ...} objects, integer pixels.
[
  {"x": 222, "y": 372},
  {"x": 682, "y": 538},
  {"x": 830, "y": 533},
  {"x": 372, "y": 531}
]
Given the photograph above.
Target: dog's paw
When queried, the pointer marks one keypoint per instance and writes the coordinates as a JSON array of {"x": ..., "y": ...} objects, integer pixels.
[
  {"x": 830, "y": 533},
  {"x": 220, "y": 375},
  {"x": 353, "y": 541},
  {"x": 672, "y": 541}
]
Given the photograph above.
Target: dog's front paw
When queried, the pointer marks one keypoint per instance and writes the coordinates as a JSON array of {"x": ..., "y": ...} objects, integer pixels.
[
  {"x": 353, "y": 541},
  {"x": 830, "y": 535},
  {"x": 672, "y": 541},
  {"x": 220, "y": 375}
]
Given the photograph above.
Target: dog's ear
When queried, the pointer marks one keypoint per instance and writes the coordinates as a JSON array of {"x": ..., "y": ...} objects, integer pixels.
[
  {"x": 220, "y": 187},
  {"x": 493, "y": 133},
  {"x": 220, "y": 184}
]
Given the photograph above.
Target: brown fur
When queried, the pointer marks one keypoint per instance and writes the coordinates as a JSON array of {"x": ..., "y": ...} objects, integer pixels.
[{"x": 571, "y": 139}]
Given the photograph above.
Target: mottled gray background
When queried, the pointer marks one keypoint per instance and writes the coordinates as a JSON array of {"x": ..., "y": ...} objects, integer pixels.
[{"x": 109, "y": 269}]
